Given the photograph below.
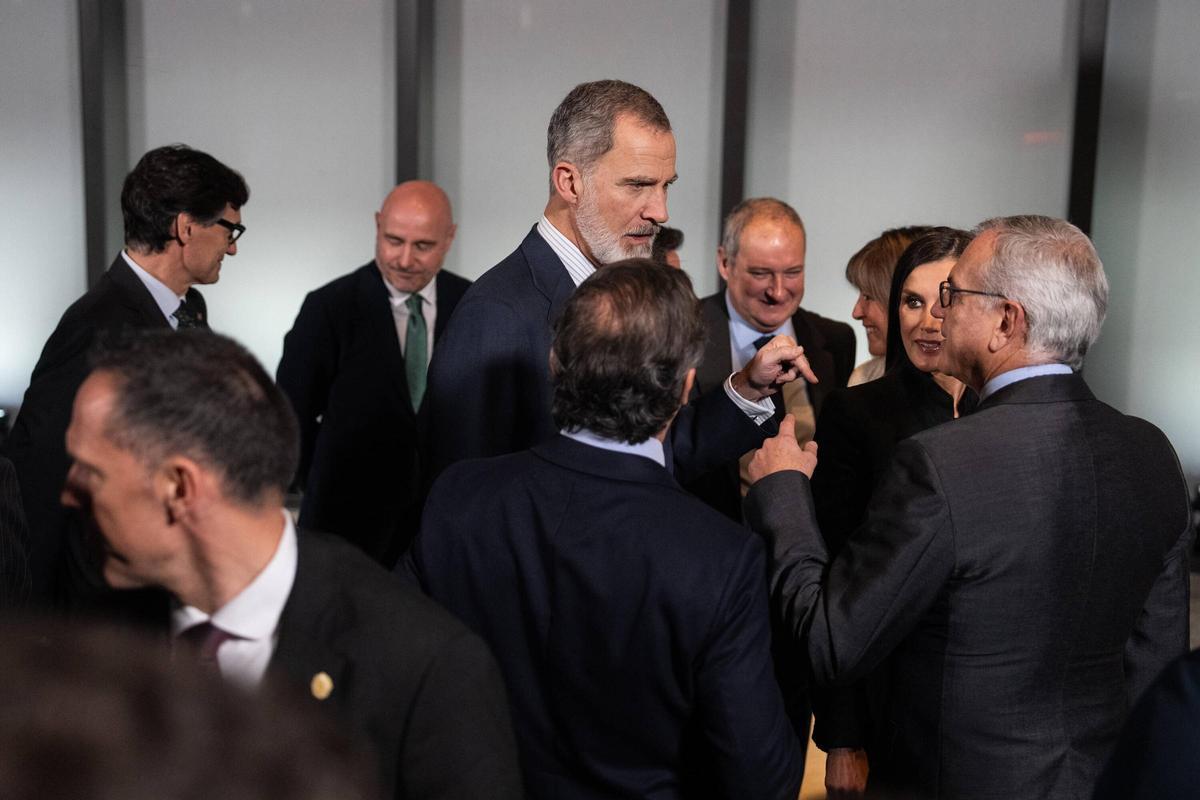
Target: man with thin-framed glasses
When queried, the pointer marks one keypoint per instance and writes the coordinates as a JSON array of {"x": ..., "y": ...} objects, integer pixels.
[
  {"x": 1024, "y": 569},
  {"x": 182, "y": 214}
]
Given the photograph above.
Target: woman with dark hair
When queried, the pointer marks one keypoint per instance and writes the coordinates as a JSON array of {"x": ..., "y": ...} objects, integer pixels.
[{"x": 858, "y": 431}]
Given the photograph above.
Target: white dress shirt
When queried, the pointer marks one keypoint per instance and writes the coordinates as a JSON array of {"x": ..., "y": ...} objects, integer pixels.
[
  {"x": 649, "y": 448},
  {"x": 166, "y": 300},
  {"x": 252, "y": 616},
  {"x": 399, "y": 301}
]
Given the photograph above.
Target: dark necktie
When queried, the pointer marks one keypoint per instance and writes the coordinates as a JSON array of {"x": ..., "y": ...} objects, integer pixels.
[
  {"x": 777, "y": 398},
  {"x": 188, "y": 316},
  {"x": 416, "y": 347},
  {"x": 203, "y": 640}
]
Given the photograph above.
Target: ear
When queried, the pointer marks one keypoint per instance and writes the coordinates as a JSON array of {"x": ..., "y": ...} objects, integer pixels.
[
  {"x": 453, "y": 229},
  {"x": 1010, "y": 328},
  {"x": 689, "y": 381},
  {"x": 567, "y": 181},
  {"x": 179, "y": 488},
  {"x": 377, "y": 222},
  {"x": 722, "y": 263},
  {"x": 184, "y": 227}
]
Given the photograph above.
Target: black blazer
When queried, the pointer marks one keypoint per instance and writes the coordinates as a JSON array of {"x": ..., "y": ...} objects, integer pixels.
[
  {"x": 629, "y": 619},
  {"x": 1025, "y": 568},
  {"x": 361, "y": 443},
  {"x": 36, "y": 446},
  {"x": 406, "y": 675},
  {"x": 829, "y": 346},
  {"x": 489, "y": 383},
  {"x": 14, "y": 541}
]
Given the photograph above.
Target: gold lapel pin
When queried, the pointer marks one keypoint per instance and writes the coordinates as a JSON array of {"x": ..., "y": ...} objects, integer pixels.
[{"x": 321, "y": 685}]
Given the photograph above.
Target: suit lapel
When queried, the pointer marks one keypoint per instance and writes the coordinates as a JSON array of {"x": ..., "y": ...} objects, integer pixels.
[
  {"x": 375, "y": 310},
  {"x": 717, "y": 363},
  {"x": 310, "y": 625},
  {"x": 819, "y": 358},
  {"x": 136, "y": 297},
  {"x": 549, "y": 275}
]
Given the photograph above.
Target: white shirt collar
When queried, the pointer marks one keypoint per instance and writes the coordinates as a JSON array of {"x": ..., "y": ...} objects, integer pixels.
[
  {"x": 428, "y": 293},
  {"x": 253, "y": 614},
  {"x": 1019, "y": 374},
  {"x": 576, "y": 263},
  {"x": 166, "y": 300},
  {"x": 650, "y": 448}
]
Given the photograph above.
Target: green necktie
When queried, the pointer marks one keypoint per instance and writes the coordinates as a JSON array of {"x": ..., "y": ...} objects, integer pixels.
[{"x": 415, "y": 348}]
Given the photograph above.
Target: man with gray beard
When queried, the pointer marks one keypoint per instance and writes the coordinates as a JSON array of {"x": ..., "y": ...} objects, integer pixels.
[{"x": 612, "y": 158}]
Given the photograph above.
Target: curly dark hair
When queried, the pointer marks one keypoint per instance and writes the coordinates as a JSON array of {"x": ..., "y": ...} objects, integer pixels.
[
  {"x": 172, "y": 180},
  {"x": 197, "y": 393},
  {"x": 622, "y": 350}
]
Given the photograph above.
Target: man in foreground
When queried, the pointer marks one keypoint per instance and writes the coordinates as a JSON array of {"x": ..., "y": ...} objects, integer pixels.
[
  {"x": 183, "y": 448},
  {"x": 1024, "y": 568},
  {"x": 630, "y": 620}
]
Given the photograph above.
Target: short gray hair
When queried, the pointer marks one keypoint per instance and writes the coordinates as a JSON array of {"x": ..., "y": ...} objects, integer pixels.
[
  {"x": 581, "y": 129},
  {"x": 1050, "y": 267},
  {"x": 751, "y": 209}
]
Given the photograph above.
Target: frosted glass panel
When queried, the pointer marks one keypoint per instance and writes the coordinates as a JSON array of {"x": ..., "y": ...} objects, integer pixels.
[
  {"x": 1147, "y": 361},
  {"x": 502, "y": 66},
  {"x": 867, "y": 115},
  {"x": 298, "y": 96},
  {"x": 42, "y": 268}
]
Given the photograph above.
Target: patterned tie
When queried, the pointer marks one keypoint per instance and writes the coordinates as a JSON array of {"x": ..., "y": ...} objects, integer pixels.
[
  {"x": 416, "y": 347},
  {"x": 188, "y": 316},
  {"x": 203, "y": 640}
]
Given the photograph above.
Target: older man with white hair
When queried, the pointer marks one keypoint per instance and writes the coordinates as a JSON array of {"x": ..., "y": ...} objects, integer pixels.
[{"x": 1024, "y": 569}]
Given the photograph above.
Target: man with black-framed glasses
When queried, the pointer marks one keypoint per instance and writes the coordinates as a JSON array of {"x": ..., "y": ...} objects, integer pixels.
[
  {"x": 1024, "y": 570},
  {"x": 182, "y": 215}
]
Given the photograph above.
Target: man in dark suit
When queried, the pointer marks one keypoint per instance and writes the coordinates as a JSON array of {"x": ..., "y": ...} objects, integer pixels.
[
  {"x": 629, "y": 619},
  {"x": 183, "y": 448},
  {"x": 761, "y": 259},
  {"x": 612, "y": 159},
  {"x": 1025, "y": 567},
  {"x": 357, "y": 386},
  {"x": 14, "y": 541},
  {"x": 182, "y": 211}
]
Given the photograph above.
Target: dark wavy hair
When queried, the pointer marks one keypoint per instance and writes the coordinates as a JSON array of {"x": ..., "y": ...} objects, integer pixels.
[
  {"x": 933, "y": 245},
  {"x": 622, "y": 350},
  {"x": 202, "y": 395},
  {"x": 172, "y": 180}
]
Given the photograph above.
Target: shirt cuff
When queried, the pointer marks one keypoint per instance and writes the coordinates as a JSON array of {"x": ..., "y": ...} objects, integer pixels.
[{"x": 758, "y": 412}]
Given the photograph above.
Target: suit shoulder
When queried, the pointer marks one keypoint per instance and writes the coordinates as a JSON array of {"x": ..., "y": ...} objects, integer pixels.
[
  {"x": 831, "y": 328},
  {"x": 343, "y": 285},
  {"x": 449, "y": 280}
]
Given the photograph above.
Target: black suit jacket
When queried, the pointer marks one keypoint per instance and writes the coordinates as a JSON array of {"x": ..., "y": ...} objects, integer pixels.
[
  {"x": 37, "y": 447},
  {"x": 1155, "y": 758},
  {"x": 1025, "y": 567},
  {"x": 406, "y": 675},
  {"x": 629, "y": 619},
  {"x": 489, "y": 383},
  {"x": 361, "y": 442},
  {"x": 14, "y": 541},
  {"x": 829, "y": 347}
]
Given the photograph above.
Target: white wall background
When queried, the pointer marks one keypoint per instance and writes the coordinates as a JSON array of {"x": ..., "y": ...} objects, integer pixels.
[
  {"x": 501, "y": 68},
  {"x": 42, "y": 266},
  {"x": 298, "y": 96},
  {"x": 869, "y": 115},
  {"x": 1147, "y": 361}
]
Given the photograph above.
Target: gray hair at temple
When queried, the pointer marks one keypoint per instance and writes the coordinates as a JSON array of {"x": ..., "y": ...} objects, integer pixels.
[
  {"x": 751, "y": 209},
  {"x": 581, "y": 129},
  {"x": 1050, "y": 267}
]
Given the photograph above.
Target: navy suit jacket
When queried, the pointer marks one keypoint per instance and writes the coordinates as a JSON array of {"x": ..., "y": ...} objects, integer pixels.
[
  {"x": 407, "y": 677},
  {"x": 629, "y": 619},
  {"x": 14, "y": 541},
  {"x": 362, "y": 446},
  {"x": 489, "y": 383},
  {"x": 1025, "y": 567},
  {"x": 37, "y": 445}
]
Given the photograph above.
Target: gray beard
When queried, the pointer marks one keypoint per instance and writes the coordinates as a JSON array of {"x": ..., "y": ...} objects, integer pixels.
[{"x": 606, "y": 246}]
